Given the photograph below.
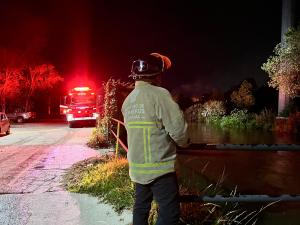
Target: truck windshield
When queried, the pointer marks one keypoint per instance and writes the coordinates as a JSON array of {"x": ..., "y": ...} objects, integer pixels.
[{"x": 83, "y": 100}]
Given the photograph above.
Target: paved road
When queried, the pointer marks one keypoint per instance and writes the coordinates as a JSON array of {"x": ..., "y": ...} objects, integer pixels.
[{"x": 32, "y": 160}]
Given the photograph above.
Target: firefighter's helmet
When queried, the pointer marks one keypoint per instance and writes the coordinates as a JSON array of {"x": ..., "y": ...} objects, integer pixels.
[{"x": 150, "y": 65}]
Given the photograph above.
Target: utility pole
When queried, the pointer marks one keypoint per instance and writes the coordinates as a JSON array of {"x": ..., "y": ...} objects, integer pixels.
[{"x": 287, "y": 20}]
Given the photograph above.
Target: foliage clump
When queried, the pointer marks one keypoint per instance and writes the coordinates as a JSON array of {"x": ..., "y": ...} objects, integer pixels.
[
  {"x": 194, "y": 113},
  {"x": 213, "y": 108},
  {"x": 115, "y": 94},
  {"x": 290, "y": 108},
  {"x": 290, "y": 125},
  {"x": 243, "y": 119},
  {"x": 284, "y": 67},
  {"x": 243, "y": 98},
  {"x": 202, "y": 112}
]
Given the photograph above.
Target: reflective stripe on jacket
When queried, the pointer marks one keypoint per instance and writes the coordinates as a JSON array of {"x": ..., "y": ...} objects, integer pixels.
[{"x": 154, "y": 124}]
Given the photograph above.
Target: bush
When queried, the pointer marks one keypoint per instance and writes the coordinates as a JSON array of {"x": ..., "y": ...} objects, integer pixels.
[
  {"x": 115, "y": 94},
  {"x": 237, "y": 118},
  {"x": 213, "y": 108},
  {"x": 290, "y": 125},
  {"x": 265, "y": 119},
  {"x": 288, "y": 109},
  {"x": 193, "y": 113},
  {"x": 97, "y": 138},
  {"x": 242, "y": 119}
]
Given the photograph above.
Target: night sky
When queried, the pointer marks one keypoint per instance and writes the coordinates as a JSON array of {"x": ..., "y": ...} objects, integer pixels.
[{"x": 212, "y": 45}]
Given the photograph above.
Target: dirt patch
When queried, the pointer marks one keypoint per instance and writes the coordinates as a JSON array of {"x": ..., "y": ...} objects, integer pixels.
[{"x": 75, "y": 173}]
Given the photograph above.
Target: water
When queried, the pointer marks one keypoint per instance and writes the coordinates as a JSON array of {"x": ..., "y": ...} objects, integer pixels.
[
  {"x": 207, "y": 134},
  {"x": 259, "y": 173}
]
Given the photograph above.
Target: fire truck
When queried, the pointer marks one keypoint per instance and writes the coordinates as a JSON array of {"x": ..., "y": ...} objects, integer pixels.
[{"x": 82, "y": 105}]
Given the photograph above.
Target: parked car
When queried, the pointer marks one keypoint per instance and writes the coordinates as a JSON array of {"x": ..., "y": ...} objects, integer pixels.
[
  {"x": 19, "y": 115},
  {"x": 4, "y": 124}
]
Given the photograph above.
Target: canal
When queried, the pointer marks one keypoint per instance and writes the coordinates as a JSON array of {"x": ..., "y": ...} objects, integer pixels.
[{"x": 247, "y": 172}]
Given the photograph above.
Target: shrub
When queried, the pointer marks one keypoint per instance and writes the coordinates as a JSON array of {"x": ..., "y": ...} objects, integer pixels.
[
  {"x": 213, "y": 108},
  {"x": 237, "y": 118},
  {"x": 280, "y": 124},
  {"x": 115, "y": 94},
  {"x": 265, "y": 119},
  {"x": 288, "y": 109},
  {"x": 242, "y": 119},
  {"x": 193, "y": 113},
  {"x": 290, "y": 125}
]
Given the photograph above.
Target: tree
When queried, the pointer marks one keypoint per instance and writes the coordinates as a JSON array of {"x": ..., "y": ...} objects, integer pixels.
[
  {"x": 243, "y": 98},
  {"x": 284, "y": 67},
  {"x": 10, "y": 75},
  {"x": 37, "y": 78},
  {"x": 24, "y": 65}
]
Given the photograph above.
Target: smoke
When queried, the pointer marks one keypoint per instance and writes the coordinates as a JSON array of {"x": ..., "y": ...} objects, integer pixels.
[{"x": 195, "y": 89}]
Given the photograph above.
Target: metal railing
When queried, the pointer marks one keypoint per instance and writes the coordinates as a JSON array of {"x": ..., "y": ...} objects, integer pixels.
[
  {"x": 235, "y": 147},
  {"x": 117, "y": 136}
]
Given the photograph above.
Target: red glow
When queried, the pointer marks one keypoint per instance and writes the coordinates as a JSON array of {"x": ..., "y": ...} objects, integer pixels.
[
  {"x": 82, "y": 89},
  {"x": 70, "y": 94},
  {"x": 80, "y": 82}
]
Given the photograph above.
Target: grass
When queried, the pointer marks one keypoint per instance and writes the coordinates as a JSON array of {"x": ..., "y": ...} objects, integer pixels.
[{"x": 108, "y": 178}]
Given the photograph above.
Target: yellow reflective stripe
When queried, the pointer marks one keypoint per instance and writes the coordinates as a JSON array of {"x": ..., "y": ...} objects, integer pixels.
[
  {"x": 149, "y": 148},
  {"x": 152, "y": 164},
  {"x": 146, "y": 135},
  {"x": 141, "y": 122},
  {"x": 145, "y": 145},
  {"x": 156, "y": 168},
  {"x": 152, "y": 171},
  {"x": 140, "y": 127}
]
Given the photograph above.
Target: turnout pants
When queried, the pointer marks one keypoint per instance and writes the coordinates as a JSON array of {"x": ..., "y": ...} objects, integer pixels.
[{"x": 166, "y": 193}]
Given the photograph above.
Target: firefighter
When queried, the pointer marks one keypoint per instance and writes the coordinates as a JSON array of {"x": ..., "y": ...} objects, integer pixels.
[{"x": 154, "y": 124}]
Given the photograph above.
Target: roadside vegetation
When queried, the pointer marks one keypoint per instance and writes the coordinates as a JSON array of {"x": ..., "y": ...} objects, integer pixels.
[
  {"x": 107, "y": 177},
  {"x": 213, "y": 112},
  {"x": 115, "y": 94}
]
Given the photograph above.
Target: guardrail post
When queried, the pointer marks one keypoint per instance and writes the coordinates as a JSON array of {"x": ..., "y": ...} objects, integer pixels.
[{"x": 118, "y": 132}]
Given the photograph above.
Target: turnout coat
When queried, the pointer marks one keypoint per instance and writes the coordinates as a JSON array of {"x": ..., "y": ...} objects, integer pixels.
[{"x": 154, "y": 124}]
